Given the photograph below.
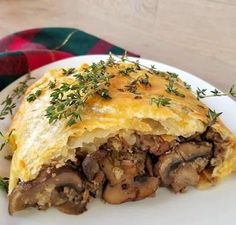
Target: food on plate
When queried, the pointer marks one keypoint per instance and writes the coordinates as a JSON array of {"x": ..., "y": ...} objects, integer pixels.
[{"x": 116, "y": 131}]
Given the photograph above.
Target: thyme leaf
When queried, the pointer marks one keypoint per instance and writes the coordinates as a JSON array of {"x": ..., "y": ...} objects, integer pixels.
[
  {"x": 104, "y": 93},
  {"x": 4, "y": 183},
  {"x": 212, "y": 114},
  {"x": 9, "y": 103},
  {"x": 5, "y": 139},
  {"x": 33, "y": 96},
  {"x": 68, "y": 72},
  {"x": 132, "y": 87},
  {"x": 173, "y": 75},
  {"x": 127, "y": 70},
  {"x": 8, "y": 157},
  {"x": 160, "y": 101},
  {"x": 170, "y": 89},
  {"x": 145, "y": 81},
  {"x": 52, "y": 84},
  {"x": 186, "y": 85}
]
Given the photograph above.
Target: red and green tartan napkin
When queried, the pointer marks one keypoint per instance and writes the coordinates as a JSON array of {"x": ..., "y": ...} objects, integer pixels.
[{"x": 27, "y": 50}]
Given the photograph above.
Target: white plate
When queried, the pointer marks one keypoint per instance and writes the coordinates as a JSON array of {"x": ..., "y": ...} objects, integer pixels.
[{"x": 215, "y": 206}]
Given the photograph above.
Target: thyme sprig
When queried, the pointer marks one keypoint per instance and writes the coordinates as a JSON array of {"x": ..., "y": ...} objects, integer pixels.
[
  {"x": 4, "y": 183},
  {"x": 68, "y": 100},
  {"x": 171, "y": 89},
  {"x": 68, "y": 72},
  {"x": 201, "y": 93},
  {"x": 8, "y": 157},
  {"x": 33, "y": 96},
  {"x": 127, "y": 70},
  {"x": 52, "y": 84},
  {"x": 186, "y": 85},
  {"x": 5, "y": 139},
  {"x": 160, "y": 101},
  {"x": 212, "y": 114},
  {"x": 137, "y": 64},
  {"x": 10, "y": 102},
  {"x": 132, "y": 86}
]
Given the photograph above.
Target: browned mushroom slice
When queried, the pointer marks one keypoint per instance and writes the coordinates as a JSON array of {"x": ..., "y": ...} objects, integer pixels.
[
  {"x": 149, "y": 166},
  {"x": 75, "y": 203},
  {"x": 146, "y": 186},
  {"x": 154, "y": 144},
  {"x": 113, "y": 174},
  {"x": 90, "y": 167},
  {"x": 139, "y": 189},
  {"x": 190, "y": 150},
  {"x": 51, "y": 188},
  {"x": 166, "y": 164},
  {"x": 119, "y": 193},
  {"x": 185, "y": 175},
  {"x": 95, "y": 186},
  {"x": 219, "y": 149},
  {"x": 124, "y": 171},
  {"x": 174, "y": 168}
]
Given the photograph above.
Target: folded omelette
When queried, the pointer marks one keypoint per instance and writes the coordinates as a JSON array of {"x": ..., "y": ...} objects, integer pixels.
[{"x": 116, "y": 131}]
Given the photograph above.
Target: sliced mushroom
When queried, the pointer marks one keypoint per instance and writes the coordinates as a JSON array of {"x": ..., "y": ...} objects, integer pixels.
[
  {"x": 90, "y": 167},
  {"x": 76, "y": 205},
  {"x": 113, "y": 174},
  {"x": 191, "y": 150},
  {"x": 95, "y": 186},
  {"x": 166, "y": 164},
  {"x": 185, "y": 175},
  {"x": 139, "y": 189},
  {"x": 119, "y": 168},
  {"x": 48, "y": 190},
  {"x": 149, "y": 166},
  {"x": 219, "y": 148},
  {"x": 154, "y": 144},
  {"x": 146, "y": 186},
  {"x": 119, "y": 193},
  {"x": 170, "y": 166}
]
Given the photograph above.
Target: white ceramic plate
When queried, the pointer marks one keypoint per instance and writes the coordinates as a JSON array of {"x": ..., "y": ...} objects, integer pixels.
[{"x": 215, "y": 206}]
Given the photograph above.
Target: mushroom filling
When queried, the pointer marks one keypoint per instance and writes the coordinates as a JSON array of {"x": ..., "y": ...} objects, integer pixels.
[{"x": 121, "y": 171}]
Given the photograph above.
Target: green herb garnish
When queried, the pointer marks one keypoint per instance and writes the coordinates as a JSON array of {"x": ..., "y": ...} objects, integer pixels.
[
  {"x": 52, "y": 84},
  {"x": 187, "y": 86},
  {"x": 68, "y": 100},
  {"x": 212, "y": 114},
  {"x": 126, "y": 71},
  {"x": 4, "y": 183},
  {"x": 10, "y": 102},
  {"x": 5, "y": 139},
  {"x": 132, "y": 87},
  {"x": 68, "y": 72},
  {"x": 172, "y": 75},
  {"x": 104, "y": 93},
  {"x": 33, "y": 96},
  {"x": 8, "y": 157},
  {"x": 160, "y": 101},
  {"x": 201, "y": 93},
  {"x": 170, "y": 89},
  {"x": 145, "y": 80}
]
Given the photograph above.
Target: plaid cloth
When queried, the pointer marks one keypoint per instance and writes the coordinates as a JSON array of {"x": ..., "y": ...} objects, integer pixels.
[{"x": 27, "y": 50}]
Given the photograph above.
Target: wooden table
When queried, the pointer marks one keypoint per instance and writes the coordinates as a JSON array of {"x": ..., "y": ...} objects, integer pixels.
[{"x": 198, "y": 36}]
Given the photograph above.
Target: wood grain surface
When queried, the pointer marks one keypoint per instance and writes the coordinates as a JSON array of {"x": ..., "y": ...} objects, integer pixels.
[{"x": 198, "y": 36}]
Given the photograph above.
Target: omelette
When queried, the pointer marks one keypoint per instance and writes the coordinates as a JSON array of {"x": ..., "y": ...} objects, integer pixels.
[{"x": 116, "y": 131}]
